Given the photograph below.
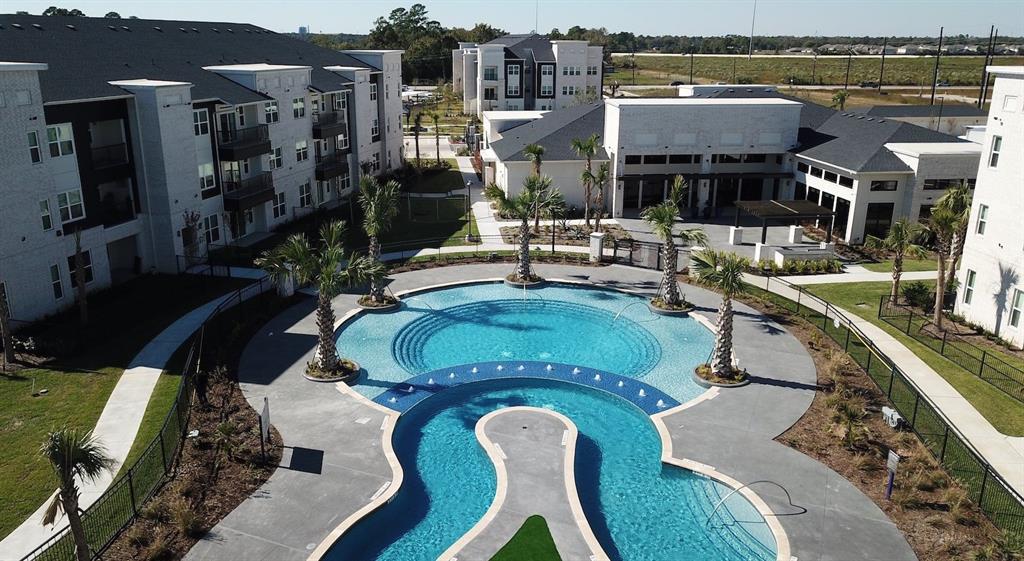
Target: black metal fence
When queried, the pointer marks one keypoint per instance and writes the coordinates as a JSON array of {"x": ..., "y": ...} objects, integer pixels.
[
  {"x": 978, "y": 361},
  {"x": 647, "y": 255},
  {"x": 993, "y": 495},
  {"x": 121, "y": 503}
]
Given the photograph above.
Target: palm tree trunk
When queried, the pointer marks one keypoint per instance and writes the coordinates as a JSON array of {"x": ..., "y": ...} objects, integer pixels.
[
  {"x": 598, "y": 209},
  {"x": 940, "y": 292},
  {"x": 416, "y": 136},
  {"x": 5, "y": 326},
  {"x": 69, "y": 500},
  {"x": 536, "y": 219},
  {"x": 954, "y": 256},
  {"x": 897, "y": 272},
  {"x": 669, "y": 286},
  {"x": 437, "y": 143},
  {"x": 325, "y": 331},
  {"x": 376, "y": 283},
  {"x": 523, "y": 267},
  {"x": 721, "y": 358}
]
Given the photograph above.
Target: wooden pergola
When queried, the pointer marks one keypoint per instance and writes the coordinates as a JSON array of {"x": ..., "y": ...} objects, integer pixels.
[{"x": 784, "y": 211}]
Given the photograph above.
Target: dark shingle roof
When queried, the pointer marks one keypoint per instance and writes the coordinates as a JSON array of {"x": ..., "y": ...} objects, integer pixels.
[
  {"x": 84, "y": 54},
  {"x": 525, "y": 46},
  {"x": 946, "y": 110},
  {"x": 554, "y": 131}
]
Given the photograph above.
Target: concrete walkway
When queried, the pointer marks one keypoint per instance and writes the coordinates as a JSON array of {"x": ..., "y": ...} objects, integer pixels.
[
  {"x": 1004, "y": 453},
  {"x": 335, "y": 463},
  {"x": 118, "y": 424}
]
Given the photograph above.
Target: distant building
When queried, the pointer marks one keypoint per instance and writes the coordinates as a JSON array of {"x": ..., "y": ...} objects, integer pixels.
[
  {"x": 303, "y": 30},
  {"x": 952, "y": 119},
  {"x": 991, "y": 275},
  {"x": 526, "y": 72}
]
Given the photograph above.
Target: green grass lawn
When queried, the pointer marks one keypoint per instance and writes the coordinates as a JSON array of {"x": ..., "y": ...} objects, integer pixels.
[
  {"x": 909, "y": 265},
  {"x": 1005, "y": 413},
  {"x": 122, "y": 321},
  {"x": 441, "y": 182},
  {"x": 532, "y": 542}
]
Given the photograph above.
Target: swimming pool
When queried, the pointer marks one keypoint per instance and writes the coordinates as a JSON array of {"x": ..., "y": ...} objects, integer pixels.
[
  {"x": 639, "y": 508},
  {"x": 607, "y": 330}
]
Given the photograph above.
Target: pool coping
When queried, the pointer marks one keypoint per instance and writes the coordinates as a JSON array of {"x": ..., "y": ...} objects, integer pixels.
[{"x": 501, "y": 473}]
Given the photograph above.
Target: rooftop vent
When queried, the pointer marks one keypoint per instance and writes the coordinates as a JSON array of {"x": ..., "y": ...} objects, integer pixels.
[
  {"x": 215, "y": 30},
  {"x": 125, "y": 27},
  {"x": 231, "y": 30},
  {"x": 158, "y": 28},
  {"x": 37, "y": 26},
  {"x": 861, "y": 117},
  {"x": 71, "y": 27},
  {"x": 881, "y": 120},
  {"x": 183, "y": 30},
  {"x": 196, "y": 30},
  {"x": 112, "y": 28},
  {"x": 870, "y": 119},
  {"x": 750, "y": 90},
  {"x": 16, "y": 26}
]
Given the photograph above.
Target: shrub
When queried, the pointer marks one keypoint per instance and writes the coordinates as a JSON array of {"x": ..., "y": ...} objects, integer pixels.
[
  {"x": 184, "y": 517},
  {"x": 138, "y": 536},
  {"x": 918, "y": 294},
  {"x": 155, "y": 510},
  {"x": 158, "y": 550}
]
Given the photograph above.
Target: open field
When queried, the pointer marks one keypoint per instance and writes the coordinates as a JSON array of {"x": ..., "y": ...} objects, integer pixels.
[{"x": 903, "y": 71}]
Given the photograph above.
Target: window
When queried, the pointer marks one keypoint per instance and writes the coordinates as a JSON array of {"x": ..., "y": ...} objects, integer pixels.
[
  {"x": 878, "y": 219},
  {"x": 69, "y": 206},
  {"x": 888, "y": 185},
  {"x": 830, "y": 177},
  {"x": 299, "y": 107},
  {"x": 270, "y": 113},
  {"x": 33, "y": 147},
  {"x": 301, "y": 151},
  {"x": 278, "y": 205},
  {"x": 1016, "y": 307},
  {"x": 547, "y": 90},
  {"x": 375, "y": 128},
  {"x": 240, "y": 116},
  {"x": 206, "y": 180},
  {"x": 201, "y": 122},
  {"x": 924, "y": 212},
  {"x": 969, "y": 286},
  {"x": 993, "y": 157},
  {"x": 45, "y": 216},
  {"x": 817, "y": 172},
  {"x": 982, "y": 220},
  {"x": 276, "y": 160},
  {"x": 305, "y": 194},
  {"x": 59, "y": 138},
  {"x": 86, "y": 268},
  {"x": 344, "y": 182},
  {"x": 569, "y": 90},
  {"x": 490, "y": 94},
  {"x": 655, "y": 159},
  {"x": 571, "y": 70},
  {"x": 680, "y": 158},
  {"x": 376, "y": 161},
  {"x": 58, "y": 288},
  {"x": 632, "y": 160},
  {"x": 725, "y": 159},
  {"x": 387, "y": 91},
  {"x": 341, "y": 142},
  {"x": 340, "y": 102},
  {"x": 800, "y": 190},
  {"x": 490, "y": 73},
  {"x": 513, "y": 87},
  {"x": 755, "y": 158},
  {"x": 845, "y": 181},
  {"x": 373, "y": 92},
  {"x": 547, "y": 70},
  {"x": 813, "y": 195},
  {"x": 802, "y": 167},
  {"x": 211, "y": 226},
  {"x": 592, "y": 71}
]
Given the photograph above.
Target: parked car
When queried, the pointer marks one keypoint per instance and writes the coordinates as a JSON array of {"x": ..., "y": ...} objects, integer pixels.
[
  {"x": 942, "y": 83},
  {"x": 676, "y": 83},
  {"x": 869, "y": 84}
]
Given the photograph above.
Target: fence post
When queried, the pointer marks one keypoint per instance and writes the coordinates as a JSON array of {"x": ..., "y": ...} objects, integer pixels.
[
  {"x": 163, "y": 454},
  {"x": 846, "y": 346},
  {"x": 910, "y": 318},
  {"x": 913, "y": 418},
  {"x": 892, "y": 378},
  {"x": 981, "y": 495},
  {"x": 942, "y": 349},
  {"x": 942, "y": 451},
  {"x": 824, "y": 321},
  {"x": 131, "y": 493},
  {"x": 981, "y": 367},
  {"x": 799, "y": 293}
]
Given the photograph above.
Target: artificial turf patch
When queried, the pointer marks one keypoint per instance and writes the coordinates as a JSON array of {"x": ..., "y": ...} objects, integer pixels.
[{"x": 532, "y": 542}]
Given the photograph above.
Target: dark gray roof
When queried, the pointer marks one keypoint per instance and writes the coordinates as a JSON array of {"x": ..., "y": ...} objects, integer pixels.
[
  {"x": 946, "y": 110},
  {"x": 555, "y": 132},
  {"x": 84, "y": 58},
  {"x": 526, "y": 46}
]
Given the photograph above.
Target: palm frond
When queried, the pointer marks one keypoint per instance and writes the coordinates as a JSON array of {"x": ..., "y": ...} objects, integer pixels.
[
  {"x": 75, "y": 453},
  {"x": 720, "y": 270}
]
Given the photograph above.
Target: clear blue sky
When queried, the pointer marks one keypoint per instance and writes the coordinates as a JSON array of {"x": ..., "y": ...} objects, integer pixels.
[{"x": 651, "y": 17}]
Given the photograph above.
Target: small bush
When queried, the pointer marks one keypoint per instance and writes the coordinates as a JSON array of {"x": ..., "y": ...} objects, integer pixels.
[
  {"x": 184, "y": 517},
  {"x": 918, "y": 294},
  {"x": 138, "y": 536},
  {"x": 158, "y": 550},
  {"x": 155, "y": 510}
]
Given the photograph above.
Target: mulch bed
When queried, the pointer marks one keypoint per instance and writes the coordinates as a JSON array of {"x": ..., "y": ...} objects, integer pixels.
[
  {"x": 579, "y": 236},
  {"x": 928, "y": 506}
]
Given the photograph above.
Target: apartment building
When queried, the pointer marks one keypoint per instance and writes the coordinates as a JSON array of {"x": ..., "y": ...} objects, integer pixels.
[
  {"x": 155, "y": 141},
  {"x": 740, "y": 143},
  {"x": 526, "y": 72},
  {"x": 991, "y": 274}
]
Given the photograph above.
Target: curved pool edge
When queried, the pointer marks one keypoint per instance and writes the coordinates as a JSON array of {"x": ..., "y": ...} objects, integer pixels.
[
  {"x": 387, "y": 432},
  {"x": 501, "y": 490},
  {"x": 782, "y": 548}
]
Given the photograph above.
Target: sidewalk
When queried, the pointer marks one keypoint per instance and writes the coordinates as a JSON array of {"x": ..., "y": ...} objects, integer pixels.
[
  {"x": 118, "y": 423},
  {"x": 1004, "y": 453}
]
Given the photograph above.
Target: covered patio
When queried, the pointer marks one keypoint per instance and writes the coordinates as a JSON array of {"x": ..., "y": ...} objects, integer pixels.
[{"x": 784, "y": 211}]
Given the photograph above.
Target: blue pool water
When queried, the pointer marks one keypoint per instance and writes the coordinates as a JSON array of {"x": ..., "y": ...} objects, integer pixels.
[
  {"x": 557, "y": 323},
  {"x": 639, "y": 508}
]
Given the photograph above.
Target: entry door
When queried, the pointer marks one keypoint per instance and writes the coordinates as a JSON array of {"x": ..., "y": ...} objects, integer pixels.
[
  {"x": 631, "y": 194},
  {"x": 227, "y": 122},
  {"x": 842, "y": 215}
]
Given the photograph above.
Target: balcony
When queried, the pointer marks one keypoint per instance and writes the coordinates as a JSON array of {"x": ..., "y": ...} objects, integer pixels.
[
  {"x": 330, "y": 166},
  {"x": 247, "y": 193},
  {"x": 326, "y": 125},
  {"x": 110, "y": 162},
  {"x": 241, "y": 144}
]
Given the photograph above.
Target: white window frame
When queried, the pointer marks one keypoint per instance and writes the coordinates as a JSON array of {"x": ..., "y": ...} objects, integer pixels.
[
  {"x": 271, "y": 114},
  {"x": 547, "y": 90},
  {"x": 969, "y": 280},
  {"x": 240, "y": 117},
  {"x": 211, "y": 228},
  {"x": 489, "y": 69},
  {"x": 69, "y": 206},
  {"x": 200, "y": 122},
  {"x": 373, "y": 91},
  {"x": 341, "y": 102},
  {"x": 301, "y": 151},
  {"x": 341, "y": 142},
  {"x": 35, "y": 153},
  {"x": 278, "y": 205},
  {"x": 591, "y": 71},
  {"x": 305, "y": 195},
  {"x": 344, "y": 182},
  {"x": 1016, "y": 307},
  {"x": 298, "y": 107},
  {"x": 979, "y": 228},
  {"x": 376, "y": 161},
  {"x": 61, "y": 141},
  {"x": 993, "y": 155},
  {"x": 276, "y": 160},
  {"x": 55, "y": 282},
  {"x": 207, "y": 181},
  {"x": 375, "y": 128},
  {"x": 547, "y": 70},
  {"x": 87, "y": 260},
  {"x": 45, "y": 215}
]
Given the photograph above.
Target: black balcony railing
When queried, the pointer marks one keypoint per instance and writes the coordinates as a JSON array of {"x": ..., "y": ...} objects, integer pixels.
[
  {"x": 109, "y": 156},
  {"x": 331, "y": 123},
  {"x": 249, "y": 192},
  {"x": 329, "y": 166},
  {"x": 240, "y": 144}
]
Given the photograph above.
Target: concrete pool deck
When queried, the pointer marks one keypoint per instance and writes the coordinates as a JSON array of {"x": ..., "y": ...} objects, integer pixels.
[{"x": 335, "y": 461}]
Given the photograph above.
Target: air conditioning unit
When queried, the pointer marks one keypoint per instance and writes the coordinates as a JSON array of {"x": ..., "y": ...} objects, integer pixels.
[{"x": 893, "y": 418}]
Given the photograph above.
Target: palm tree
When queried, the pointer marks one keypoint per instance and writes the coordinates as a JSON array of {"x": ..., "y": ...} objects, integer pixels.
[
  {"x": 380, "y": 207},
  {"x": 943, "y": 225},
  {"x": 901, "y": 242},
  {"x": 325, "y": 267},
  {"x": 839, "y": 99},
  {"x": 535, "y": 153},
  {"x": 587, "y": 148},
  {"x": 958, "y": 200},
  {"x": 537, "y": 194},
  {"x": 662, "y": 219},
  {"x": 723, "y": 271},
  {"x": 598, "y": 181},
  {"x": 75, "y": 456},
  {"x": 436, "y": 119},
  {"x": 417, "y": 124}
]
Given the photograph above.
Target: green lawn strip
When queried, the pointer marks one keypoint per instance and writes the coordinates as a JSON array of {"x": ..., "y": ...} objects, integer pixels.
[
  {"x": 442, "y": 220},
  {"x": 442, "y": 182},
  {"x": 532, "y": 542},
  {"x": 909, "y": 265},
  {"x": 1005, "y": 413},
  {"x": 122, "y": 321}
]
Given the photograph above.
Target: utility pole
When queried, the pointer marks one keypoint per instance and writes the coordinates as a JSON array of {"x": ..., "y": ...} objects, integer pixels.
[
  {"x": 814, "y": 67},
  {"x": 849, "y": 62},
  {"x": 733, "y": 70},
  {"x": 750, "y": 49},
  {"x": 938, "y": 121},
  {"x": 984, "y": 67},
  {"x": 634, "y": 62},
  {"x": 935, "y": 74},
  {"x": 691, "y": 66},
  {"x": 881, "y": 73}
]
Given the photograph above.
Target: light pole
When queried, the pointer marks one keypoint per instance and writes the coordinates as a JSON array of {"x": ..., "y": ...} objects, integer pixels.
[{"x": 469, "y": 216}]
